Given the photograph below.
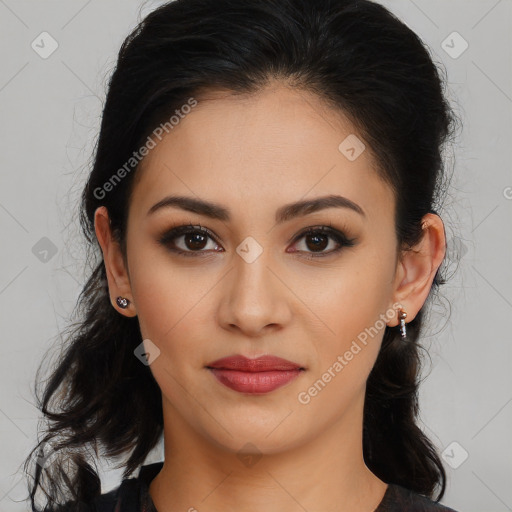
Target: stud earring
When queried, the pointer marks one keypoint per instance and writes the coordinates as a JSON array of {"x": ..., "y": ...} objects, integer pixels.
[
  {"x": 122, "y": 302},
  {"x": 402, "y": 316}
]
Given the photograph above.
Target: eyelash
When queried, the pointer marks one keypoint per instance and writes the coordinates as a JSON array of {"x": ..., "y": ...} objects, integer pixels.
[{"x": 336, "y": 235}]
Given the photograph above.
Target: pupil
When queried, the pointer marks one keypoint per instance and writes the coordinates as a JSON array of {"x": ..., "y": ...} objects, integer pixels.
[
  {"x": 316, "y": 245},
  {"x": 193, "y": 239}
]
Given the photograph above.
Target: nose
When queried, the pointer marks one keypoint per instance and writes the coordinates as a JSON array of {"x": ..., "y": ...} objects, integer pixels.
[{"x": 254, "y": 298}]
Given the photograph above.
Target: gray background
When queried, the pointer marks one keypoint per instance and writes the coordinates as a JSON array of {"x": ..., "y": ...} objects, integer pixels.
[{"x": 50, "y": 115}]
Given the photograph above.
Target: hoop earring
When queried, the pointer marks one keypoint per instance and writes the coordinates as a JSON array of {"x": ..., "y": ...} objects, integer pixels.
[
  {"x": 122, "y": 302},
  {"x": 402, "y": 316}
]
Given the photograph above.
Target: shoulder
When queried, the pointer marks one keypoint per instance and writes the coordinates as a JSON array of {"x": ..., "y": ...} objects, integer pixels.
[
  {"x": 126, "y": 494},
  {"x": 127, "y": 497},
  {"x": 400, "y": 499},
  {"x": 124, "y": 498},
  {"x": 107, "y": 502}
]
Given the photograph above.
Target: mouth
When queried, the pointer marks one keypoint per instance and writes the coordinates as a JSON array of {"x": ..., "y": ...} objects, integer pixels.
[{"x": 254, "y": 376}]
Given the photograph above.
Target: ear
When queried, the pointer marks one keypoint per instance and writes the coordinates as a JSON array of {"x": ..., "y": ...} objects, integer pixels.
[
  {"x": 417, "y": 268},
  {"x": 117, "y": 275}
]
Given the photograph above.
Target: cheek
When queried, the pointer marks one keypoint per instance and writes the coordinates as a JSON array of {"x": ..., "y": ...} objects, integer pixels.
[
  {"x": 347, "y": 350},
  {"x": 352, "y": 297},
  {"x": 170, "y": 302},
  {"x": 352, "y": 303}
]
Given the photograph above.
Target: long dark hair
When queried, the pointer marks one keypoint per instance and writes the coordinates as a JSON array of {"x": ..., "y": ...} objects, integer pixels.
[{"x": 362, "y": 61}]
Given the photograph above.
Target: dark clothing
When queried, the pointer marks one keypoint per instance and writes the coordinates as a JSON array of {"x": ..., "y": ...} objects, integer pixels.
[{"x": 133, "y": 496}]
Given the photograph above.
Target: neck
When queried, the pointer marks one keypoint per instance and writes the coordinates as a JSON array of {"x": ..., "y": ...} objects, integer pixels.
[{"x": 326, "y": 472}]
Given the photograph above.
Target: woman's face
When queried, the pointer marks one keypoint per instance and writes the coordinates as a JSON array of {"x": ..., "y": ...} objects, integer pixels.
[{"x": 254, "y": 284}]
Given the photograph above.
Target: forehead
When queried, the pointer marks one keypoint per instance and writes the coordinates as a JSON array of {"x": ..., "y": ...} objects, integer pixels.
[{"x": 261, "y": 150}]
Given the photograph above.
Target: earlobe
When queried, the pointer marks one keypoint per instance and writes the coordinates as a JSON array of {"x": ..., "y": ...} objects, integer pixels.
[
  {"x": 418, "y": 266},
  {"x": 117, "y": 275}
]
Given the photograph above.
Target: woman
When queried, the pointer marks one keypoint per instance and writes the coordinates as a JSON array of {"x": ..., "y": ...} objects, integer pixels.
[{"x": 263, "y": 198}]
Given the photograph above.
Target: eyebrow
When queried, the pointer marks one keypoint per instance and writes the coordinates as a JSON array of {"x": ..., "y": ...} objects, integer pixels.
[{"x": 283, "y": 214}]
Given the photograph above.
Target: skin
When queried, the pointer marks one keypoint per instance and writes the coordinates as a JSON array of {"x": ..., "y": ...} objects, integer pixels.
[{"x": 253, "y": 154}]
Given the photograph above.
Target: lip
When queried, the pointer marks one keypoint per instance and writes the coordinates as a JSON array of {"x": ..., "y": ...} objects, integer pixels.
[
  {"x": 259, "y": 364},
  {"x": 255, "y": 376}
]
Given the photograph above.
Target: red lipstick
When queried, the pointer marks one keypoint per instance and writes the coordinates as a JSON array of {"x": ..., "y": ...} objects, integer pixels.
[{"x": 260, "y": 375}]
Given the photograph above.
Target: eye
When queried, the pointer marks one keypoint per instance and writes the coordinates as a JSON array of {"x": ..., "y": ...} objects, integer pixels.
[
  {"x": 319, "y": 238},
  {"x": 188, "y": 240}
]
